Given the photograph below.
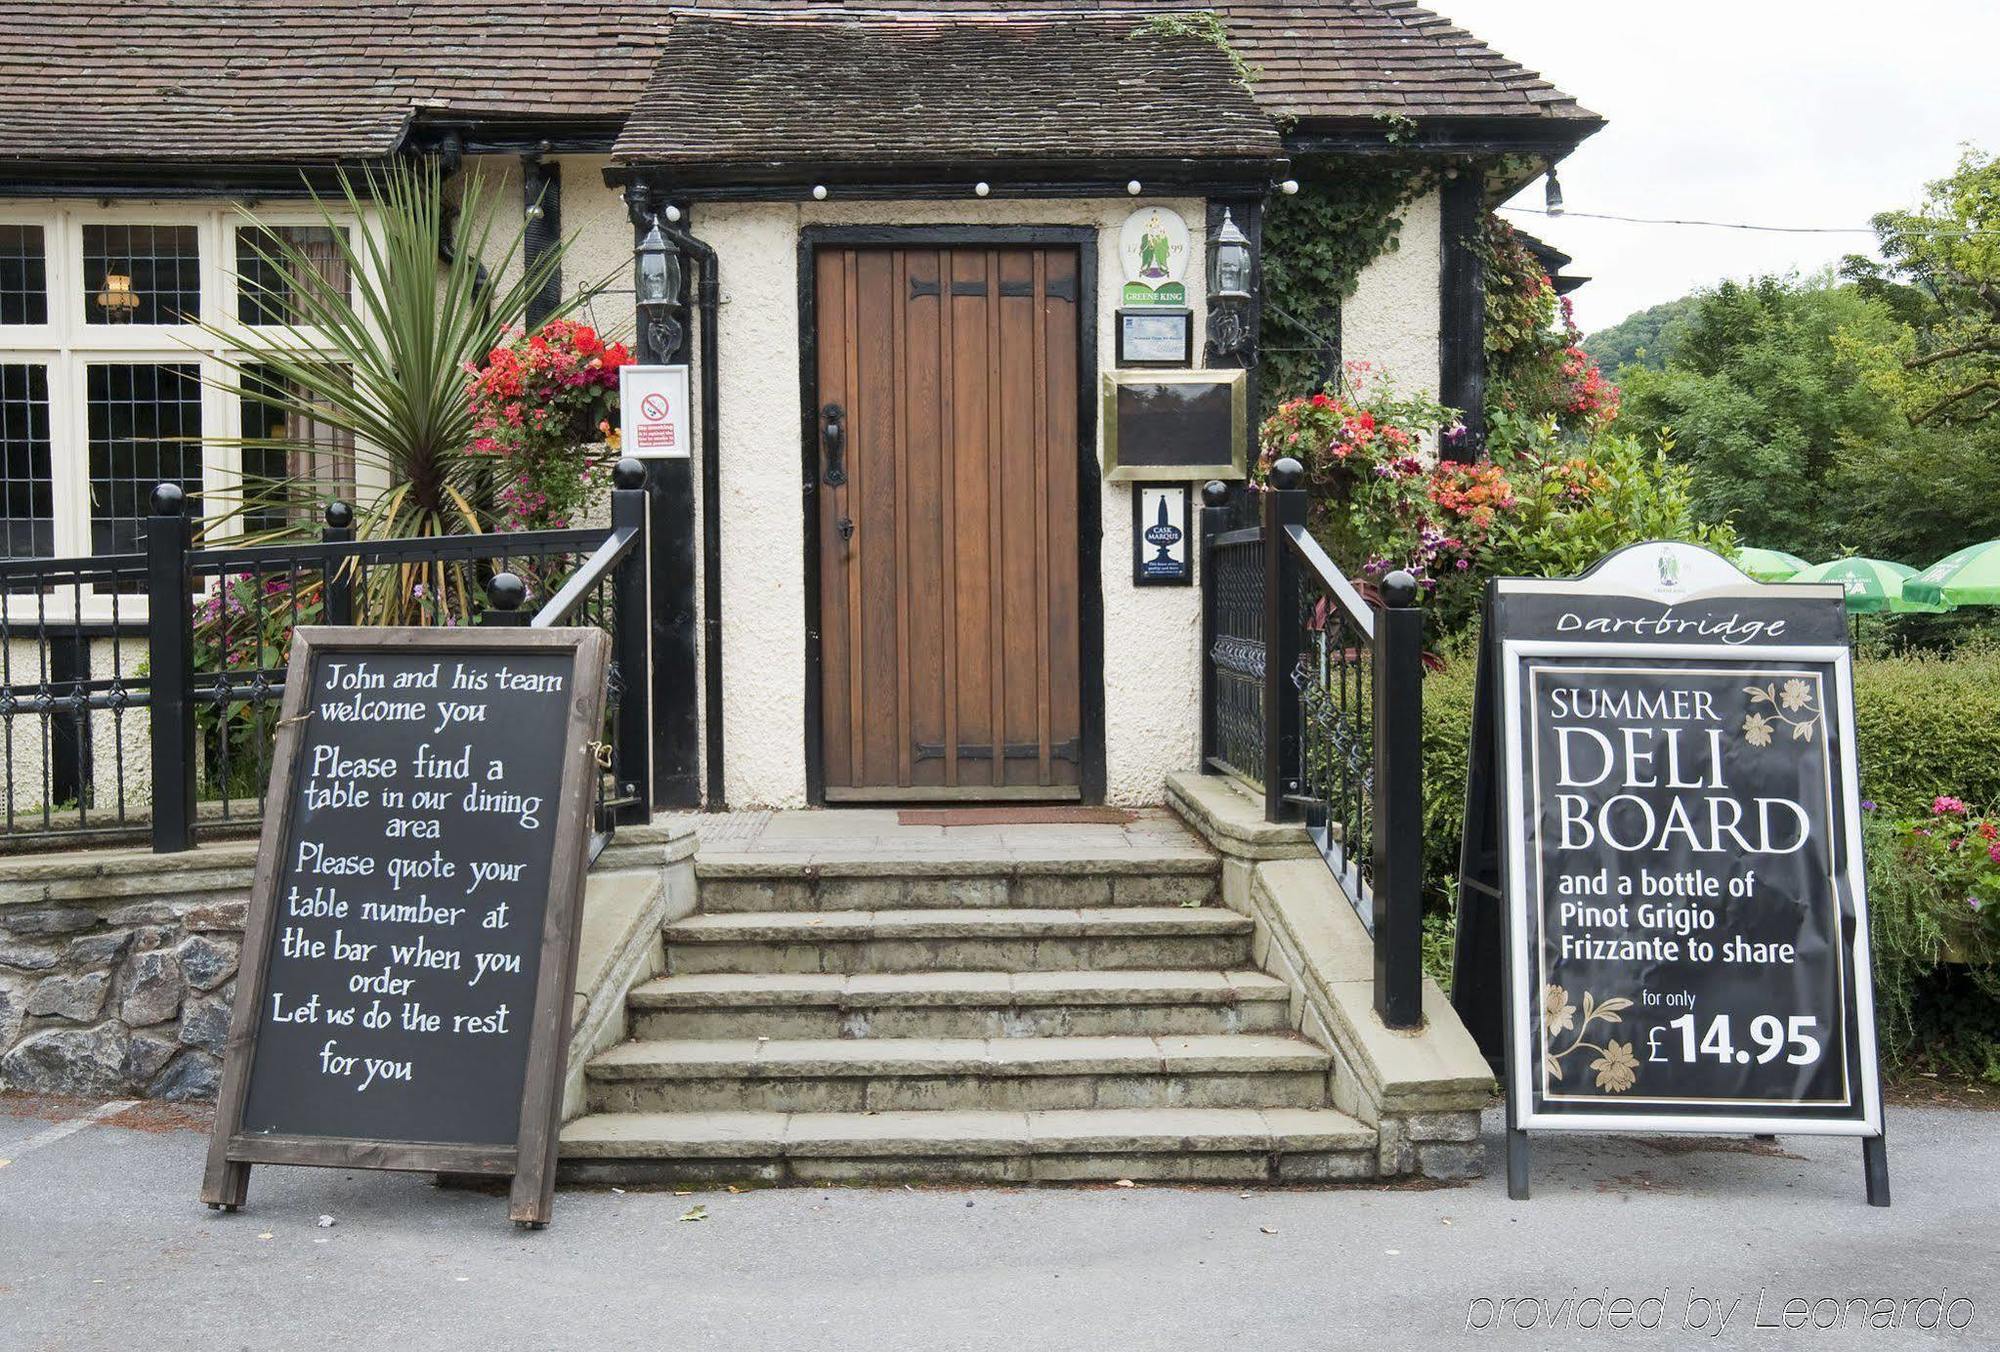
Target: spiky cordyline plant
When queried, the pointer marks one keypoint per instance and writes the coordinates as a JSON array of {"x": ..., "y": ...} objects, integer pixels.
[{"x": 387, "y": 365}]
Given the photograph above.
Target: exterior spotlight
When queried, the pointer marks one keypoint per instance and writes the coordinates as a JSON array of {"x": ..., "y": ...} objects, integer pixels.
[
  {"x": 981, "y": 189},
  {"x": 1290, "y": 187},
  {"x": 1133, "y": 187},
  {"x": 819, "y": 192},
  {"x": 673, "y": 213},
  {"x": 1552, "y": 197}
]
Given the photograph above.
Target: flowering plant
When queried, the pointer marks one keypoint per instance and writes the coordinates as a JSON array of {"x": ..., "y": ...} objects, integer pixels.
[
  {"x": 1961, "y": 850},
  {"x": 539, "y": 401}
]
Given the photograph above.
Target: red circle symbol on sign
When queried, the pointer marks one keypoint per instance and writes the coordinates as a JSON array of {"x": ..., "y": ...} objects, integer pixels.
[{"x": 654, "y": 406}]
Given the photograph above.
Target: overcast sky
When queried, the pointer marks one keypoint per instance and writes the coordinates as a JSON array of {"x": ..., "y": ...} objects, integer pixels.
[{"x": 1778, "y": 112}]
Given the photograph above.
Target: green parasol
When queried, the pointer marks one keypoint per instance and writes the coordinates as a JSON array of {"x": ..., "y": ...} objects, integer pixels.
[
  {"x": 1971, "y": 577},
  {"x": 1873, "y": 585},
  {"x": 1770, "y": 565}
]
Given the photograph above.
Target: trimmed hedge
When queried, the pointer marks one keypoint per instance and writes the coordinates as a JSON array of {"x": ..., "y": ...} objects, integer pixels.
[{"x": 1928, "y": 726}]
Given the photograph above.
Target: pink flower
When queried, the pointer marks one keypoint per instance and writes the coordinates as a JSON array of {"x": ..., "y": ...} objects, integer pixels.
[
  {"x": 1993, "y": 852},
  {"x": 1945, "y": 803}
]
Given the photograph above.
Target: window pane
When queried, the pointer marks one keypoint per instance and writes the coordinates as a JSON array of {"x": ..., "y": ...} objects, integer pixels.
[
  {"x": 315, "y": 463},
  {"x": 27, "y": 512},
  {"x": 141, "y": 274},
  {"x": 145, "y": 428},
  {"x": 267, "y": 280},
  {"x": 24, "y": 276}
]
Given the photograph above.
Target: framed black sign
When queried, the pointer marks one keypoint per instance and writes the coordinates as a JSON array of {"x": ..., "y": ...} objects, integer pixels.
[
  {"x": 1663, "y": 857},
  {"x": 1160, "y": 553},
  {"x": 409, "y": 955},
  {"x": 1175, "y": 425}
]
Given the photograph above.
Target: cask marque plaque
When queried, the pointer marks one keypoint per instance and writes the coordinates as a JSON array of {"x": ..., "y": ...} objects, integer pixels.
[
  {"x": 1663, "y": 920},
  {"x": 410, "y": 950}
]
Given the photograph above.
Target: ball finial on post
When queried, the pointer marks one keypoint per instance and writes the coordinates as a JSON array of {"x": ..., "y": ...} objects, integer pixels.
[
  {"x": 168, "y": 500},
  {"x": 339, "y": 515},
  {"x": 1215, "y": 493},
  {"x": 629, "y": 472},
  {"x": 506, "y": 592},
  {"x": 1399, "y": 589},
  {"x": 1287, "y": 474}
]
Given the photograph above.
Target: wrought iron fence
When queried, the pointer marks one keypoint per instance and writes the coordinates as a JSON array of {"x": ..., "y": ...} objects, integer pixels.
[
  {"x": 123, "y": 720},
  {"x": 1312, "y": 693}
]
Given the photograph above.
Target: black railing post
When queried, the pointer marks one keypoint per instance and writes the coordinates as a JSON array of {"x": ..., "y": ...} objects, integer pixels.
[
  {"x": 1285, "y": 504},
  {"x": 170, "y": 664},
  {"x": 1398, "y": 890},
  {"x": 506, "y": 592},
  {"x": 633, "y": 754},
  {"x": 1214, "y": 521},
  {"x": 337, "y": 571}
]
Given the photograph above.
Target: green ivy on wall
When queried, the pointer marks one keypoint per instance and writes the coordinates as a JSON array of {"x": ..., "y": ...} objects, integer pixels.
[{"x": 1345, "y": 215}]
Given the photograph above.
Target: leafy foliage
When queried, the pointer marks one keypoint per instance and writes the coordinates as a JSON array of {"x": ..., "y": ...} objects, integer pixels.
[
  {"x": 1345, "y": 215},
  {"x": 1943, "y": 368},
  {"x": 384, "y": 355},
  {"x": 1649, "y": 338},
  {"x": 1536, "y": 368},
  {"x": 1763, "y": 405}
]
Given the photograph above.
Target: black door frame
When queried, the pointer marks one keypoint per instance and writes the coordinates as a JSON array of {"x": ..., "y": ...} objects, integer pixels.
[{"x": 1089, "y": 505}]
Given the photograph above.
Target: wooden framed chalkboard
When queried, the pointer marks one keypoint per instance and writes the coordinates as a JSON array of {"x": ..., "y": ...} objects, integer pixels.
[{"x": 409, "y": 956}]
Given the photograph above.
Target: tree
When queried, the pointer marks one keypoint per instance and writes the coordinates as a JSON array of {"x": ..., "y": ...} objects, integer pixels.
[
  {"x": 1944, "y": 368},
  {"x": 1764, "y": 403},
  {"x": 1649, "y": 338}
]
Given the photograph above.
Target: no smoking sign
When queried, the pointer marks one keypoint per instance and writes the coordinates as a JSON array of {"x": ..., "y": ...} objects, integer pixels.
[{"x": 653, "y": 403}]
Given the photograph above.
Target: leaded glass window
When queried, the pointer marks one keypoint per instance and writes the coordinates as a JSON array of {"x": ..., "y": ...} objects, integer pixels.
[
  {"x": 27, "y": 507},
  {"x": 141, "y": 274},
  {"x": 24, "y": 275},
  {"x": 144, "y": 428}
]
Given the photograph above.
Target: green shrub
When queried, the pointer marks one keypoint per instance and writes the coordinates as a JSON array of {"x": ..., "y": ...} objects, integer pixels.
[{"x": 1929, "y": 725}]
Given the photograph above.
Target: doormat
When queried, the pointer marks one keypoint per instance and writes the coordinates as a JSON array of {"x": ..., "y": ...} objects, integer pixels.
[{"x": 1015, "y": 816}]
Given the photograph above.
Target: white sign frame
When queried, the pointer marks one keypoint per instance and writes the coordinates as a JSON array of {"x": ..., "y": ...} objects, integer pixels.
[
  {"x": 646, "y": 432},
  {"x": 1515, "y": 847}
]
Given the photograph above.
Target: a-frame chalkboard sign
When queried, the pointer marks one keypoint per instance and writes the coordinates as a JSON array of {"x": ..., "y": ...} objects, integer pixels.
[
  {"x": 409, "y": 957},
  {"x": 1662, "y": 918}
]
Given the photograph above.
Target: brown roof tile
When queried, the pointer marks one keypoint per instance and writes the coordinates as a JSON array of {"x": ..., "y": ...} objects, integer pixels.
[
  {"x": 740, "y": 89},
  {"x": 312, "y": 80}
]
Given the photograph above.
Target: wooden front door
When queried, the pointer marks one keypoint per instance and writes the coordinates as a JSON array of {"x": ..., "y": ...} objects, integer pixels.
[{"x": 947, "y": 504}]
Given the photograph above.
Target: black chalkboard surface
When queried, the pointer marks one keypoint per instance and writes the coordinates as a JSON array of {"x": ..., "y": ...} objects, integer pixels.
[{"x": 410, "y": 948}]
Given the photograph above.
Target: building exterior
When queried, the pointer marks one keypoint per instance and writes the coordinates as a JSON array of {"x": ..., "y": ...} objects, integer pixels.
[{"x": 896, "y": 564}]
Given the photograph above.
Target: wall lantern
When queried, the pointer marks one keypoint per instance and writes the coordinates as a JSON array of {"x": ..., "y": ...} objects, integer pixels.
[
  {"x": 658, "y": 288},
  {"x": 1229, "y": 290},
  {"x": 118, "y": 300}
]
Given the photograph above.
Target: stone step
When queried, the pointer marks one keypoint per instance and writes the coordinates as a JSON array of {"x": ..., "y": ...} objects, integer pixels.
[
  {"x": 1233, "y": 1145},
  {"x": 983, "y": 939},
  {"x": 958, "y": 1004},
  {"x": 1169, "y": 875},
  {"x": 1247, "y": 1070}
]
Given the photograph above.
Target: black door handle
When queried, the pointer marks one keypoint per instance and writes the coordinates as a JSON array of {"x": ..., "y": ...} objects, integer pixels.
[{"x": 833, "y": 438}]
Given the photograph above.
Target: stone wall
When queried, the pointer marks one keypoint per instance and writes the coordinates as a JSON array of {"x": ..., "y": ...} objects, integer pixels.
[{"x": 118, "y": 969}]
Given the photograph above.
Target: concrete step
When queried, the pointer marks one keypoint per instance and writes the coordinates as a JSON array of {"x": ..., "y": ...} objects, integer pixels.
[
  {"x": 872, "y": 880},
  {"x": 958, "y": 1004},
  {"x": 1246, "y": 1070},
  {"x": 1233, "y": 1145},
  {"x": 982, "y": 939}
]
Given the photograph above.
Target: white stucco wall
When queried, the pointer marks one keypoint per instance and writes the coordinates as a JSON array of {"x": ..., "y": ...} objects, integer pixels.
[
  {"x": 1151, "y": 673},
  {"x": 1392, "y": 318}
]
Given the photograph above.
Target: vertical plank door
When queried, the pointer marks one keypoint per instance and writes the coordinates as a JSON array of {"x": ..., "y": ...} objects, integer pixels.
[{"x": 948, "y": 567}]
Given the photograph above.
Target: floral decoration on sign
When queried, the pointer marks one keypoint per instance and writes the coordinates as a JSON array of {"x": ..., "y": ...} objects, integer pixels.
[
  {"x": 1616, "y": 1066},
  {"x": 1788, "y": 706}
]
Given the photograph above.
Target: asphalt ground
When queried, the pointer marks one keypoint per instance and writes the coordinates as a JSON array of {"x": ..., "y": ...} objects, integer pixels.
[{"x": 103, "y": 1245}]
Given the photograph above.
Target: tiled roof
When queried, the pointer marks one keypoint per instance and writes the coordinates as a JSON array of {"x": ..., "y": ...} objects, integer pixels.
[
  {"x": 916, "y": 88},
  {"x": 304, "y": 80}
]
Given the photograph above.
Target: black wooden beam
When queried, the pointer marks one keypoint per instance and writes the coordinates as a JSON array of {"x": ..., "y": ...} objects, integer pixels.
[{"x": 1462, "y": 312}]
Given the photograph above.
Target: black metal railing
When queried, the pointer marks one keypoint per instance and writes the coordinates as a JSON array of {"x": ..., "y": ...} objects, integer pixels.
[
  {"x": 1312, "y": 693},
  {"x": 206, "y": 660}
]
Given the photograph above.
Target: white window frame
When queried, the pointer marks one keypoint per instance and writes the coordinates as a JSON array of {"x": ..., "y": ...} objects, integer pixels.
[{"x": 67, "y": 345}]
